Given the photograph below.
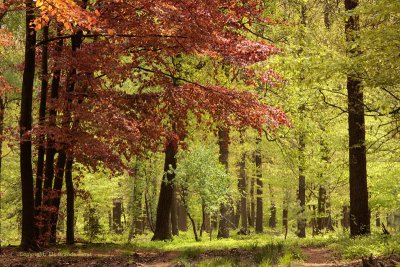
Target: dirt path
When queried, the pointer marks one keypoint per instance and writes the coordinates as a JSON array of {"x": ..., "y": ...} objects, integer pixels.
[{"x": 315, "y": 256}]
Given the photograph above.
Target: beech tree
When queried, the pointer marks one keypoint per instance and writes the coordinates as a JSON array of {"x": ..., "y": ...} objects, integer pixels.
[{"x": 359, "y": 211}]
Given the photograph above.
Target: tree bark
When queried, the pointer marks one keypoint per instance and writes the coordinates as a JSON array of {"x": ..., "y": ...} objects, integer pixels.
[
  {"x": 50, "y": 149},
  {"x": 285, "y": 219},
  {"x": 378, "y": 219},
  {"x": 259, "y": 200},
  {"x": 272, "y": 209},
  {"x": 359, "y": 211},
  {"x": 182, "y": 219},
  {"x": 225, "y": 209},
  {"x": 117, "y": 215},
  {"x": 301, "y": 221},
  {"x": 28, "y": 240},
  {"x": 70, "y": 238},
  {"x": 242, "y": 188},
  {"x": 174, "y": 214},
  {"x": 162, "y": 230},
  {"x": 56, "y": 196},
  {"x": 345, "y": 217},
  {"x": 42, "y": 117},
  {"x": 252, "y": 213}
]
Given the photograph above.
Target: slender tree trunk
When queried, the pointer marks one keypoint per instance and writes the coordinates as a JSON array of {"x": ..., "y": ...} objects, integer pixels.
[
  {"x": 28, "y": 240},
  {"x": 252, "y": 212},
  {"x": 174, "y": 214},
  {"x": 378, "y": 219},
  {"x": 117, "y": 215},
  {"x": 56, "y": 198},
  {"x": 359, "y": 211},
  {"x": 321, "y": 219},
  {"x": 70, "y": 238},
  {"x": 259, "y": 212},
  {"x": 50, "y": 149},
  {"x": 42, "y": 117},
  {"x": 182, "y": 221},
  {"x": 345, "y": 217},
  {"x": 225, "y": 209},
  {"x": 242, "y": 189},
  {"x": 301, "y": 221},
  {"x": 272, "y": 209},
  {"x": 285, "y": 219},
  {"x": 2, "y": 113},
  {"x": 162, "y": 230},
  {"x": 327, "y": 13},
  {"x": 329, "y": 220}
]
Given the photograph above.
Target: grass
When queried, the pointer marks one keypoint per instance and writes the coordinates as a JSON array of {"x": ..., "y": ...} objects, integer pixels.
[{"x": 257, "y": 249}]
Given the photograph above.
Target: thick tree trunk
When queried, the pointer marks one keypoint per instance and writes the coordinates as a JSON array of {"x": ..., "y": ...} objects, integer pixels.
[
  {"x": 225, "y": 210},
  {"x": 259, "y": 212},
  {"x": 174, "y": 214},
  {"x": 359, "y": 211},
  {"x": 301, "y": 221},
  {"x": 42, "y": 117},
  {"x": 70, "y": 238},
  {"x": 162, "y": 230},
  {"x": 28, "y": 240}
]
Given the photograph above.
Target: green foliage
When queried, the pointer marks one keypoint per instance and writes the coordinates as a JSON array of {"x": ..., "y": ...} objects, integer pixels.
[
  {"x": 376, "y": 245},
  {"x": 92, "y": 226},
  {"x": 202, "y": 179}
]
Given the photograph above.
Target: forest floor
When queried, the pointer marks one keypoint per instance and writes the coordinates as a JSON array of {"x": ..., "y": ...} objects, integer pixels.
[
  {"x": 253, "y": 250},
  {"x": 312, "y": 256}
]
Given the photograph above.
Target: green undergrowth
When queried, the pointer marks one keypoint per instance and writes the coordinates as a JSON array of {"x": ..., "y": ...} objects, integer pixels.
[
  {"x": 255, "y": 250},
  {"x": 375, "y": 244}
]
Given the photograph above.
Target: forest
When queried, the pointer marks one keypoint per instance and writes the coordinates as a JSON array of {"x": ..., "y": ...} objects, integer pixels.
[{"x": 200, "y": 133}]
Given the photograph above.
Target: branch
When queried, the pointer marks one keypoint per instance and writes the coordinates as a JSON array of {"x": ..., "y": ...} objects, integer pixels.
[{"x": 94, "y": 35}]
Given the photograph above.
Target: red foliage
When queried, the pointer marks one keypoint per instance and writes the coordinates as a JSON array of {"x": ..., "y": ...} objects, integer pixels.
[{"x": 135, "y": 40}]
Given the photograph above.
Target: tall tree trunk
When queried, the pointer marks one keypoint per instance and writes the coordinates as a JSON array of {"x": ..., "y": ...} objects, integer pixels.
[
  {"x": 42, "y": 117},
  {"x": 50, "y": 149},
  {"x": 28, "y": 240},
  {"x": 259, "y": 212},
  {"x": 359, "y": 211},
  {"x": 301, "y": 221},
  {"x": 242, "y": 188},
  {"x": 252, "y": 212},
  {"x": 225, "y": 209},
  {"x": 70, "y": 238},
  {"x": 162, "y": 230},
  {"x": 174, "y": 214}
]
